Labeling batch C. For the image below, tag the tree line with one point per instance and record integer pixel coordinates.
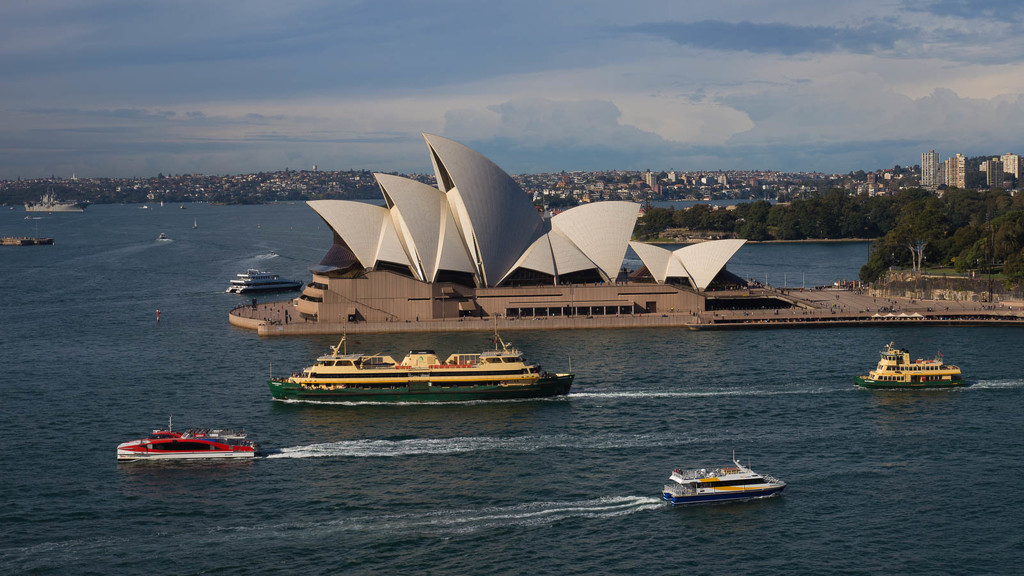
(963, 229)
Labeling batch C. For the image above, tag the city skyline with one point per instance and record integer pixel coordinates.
(125, 89)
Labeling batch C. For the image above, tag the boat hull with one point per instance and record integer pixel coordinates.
(723, 496)
(557, 385)
(127, 456)
(56, 208)
(863, 382)
(279, 287)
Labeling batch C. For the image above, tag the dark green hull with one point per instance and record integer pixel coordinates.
(880, 385)
(422, 392)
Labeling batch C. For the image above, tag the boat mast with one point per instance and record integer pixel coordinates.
(496, 333)
(343, 346)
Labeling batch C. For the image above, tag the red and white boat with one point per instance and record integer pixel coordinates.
(193, 444)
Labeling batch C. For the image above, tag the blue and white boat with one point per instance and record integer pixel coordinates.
(720, 484)
(254, 280)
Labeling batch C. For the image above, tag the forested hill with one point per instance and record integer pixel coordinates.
(963, 228)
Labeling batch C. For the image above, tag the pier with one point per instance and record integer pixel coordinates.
(741, 310)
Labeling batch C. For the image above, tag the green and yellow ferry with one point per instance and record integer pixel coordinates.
(420, 377)
(896, 371)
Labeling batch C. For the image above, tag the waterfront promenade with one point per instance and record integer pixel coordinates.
(808, 308)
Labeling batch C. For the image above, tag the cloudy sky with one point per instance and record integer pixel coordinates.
(137, 87)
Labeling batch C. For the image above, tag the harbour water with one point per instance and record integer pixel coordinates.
(893, 482)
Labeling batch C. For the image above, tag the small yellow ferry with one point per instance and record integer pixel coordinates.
(895, 371)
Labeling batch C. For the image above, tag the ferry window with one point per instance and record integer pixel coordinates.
(182, 446)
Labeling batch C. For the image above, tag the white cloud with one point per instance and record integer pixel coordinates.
(119, 88)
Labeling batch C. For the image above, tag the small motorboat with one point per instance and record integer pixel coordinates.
(163, 237)
(720, 484)
(193, 444)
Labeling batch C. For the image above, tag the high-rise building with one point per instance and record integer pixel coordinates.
(993, 170)
(1012, 164)
(930, 169)
(956, 171)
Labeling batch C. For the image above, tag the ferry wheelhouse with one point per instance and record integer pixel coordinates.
(421, 376)
(895, 370)
(733, 483)
(193, 444)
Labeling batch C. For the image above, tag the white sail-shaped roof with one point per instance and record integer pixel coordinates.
(601, 231)
(452, 254)
(553, 254)
(655, 258)
(390, 248)
(424, 224)
(537, 257)
(359, 224)
(705, 260)
(568, 258)
(496, 218)
(676, 268)
(479, 221)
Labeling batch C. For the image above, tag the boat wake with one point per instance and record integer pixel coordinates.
(467, 521)
(266, 256)
(459, 445)
(996, 384)
(643, 394)
(438, 523)
(520, 515)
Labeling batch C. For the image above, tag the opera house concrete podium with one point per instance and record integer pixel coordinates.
(476, 246)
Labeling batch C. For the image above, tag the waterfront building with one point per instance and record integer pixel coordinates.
(930, 169)
(475, 246)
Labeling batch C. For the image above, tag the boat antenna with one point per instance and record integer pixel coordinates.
(271, 369)
(570, 363)
(170, 419)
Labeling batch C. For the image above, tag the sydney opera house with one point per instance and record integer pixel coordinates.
(477, 246)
